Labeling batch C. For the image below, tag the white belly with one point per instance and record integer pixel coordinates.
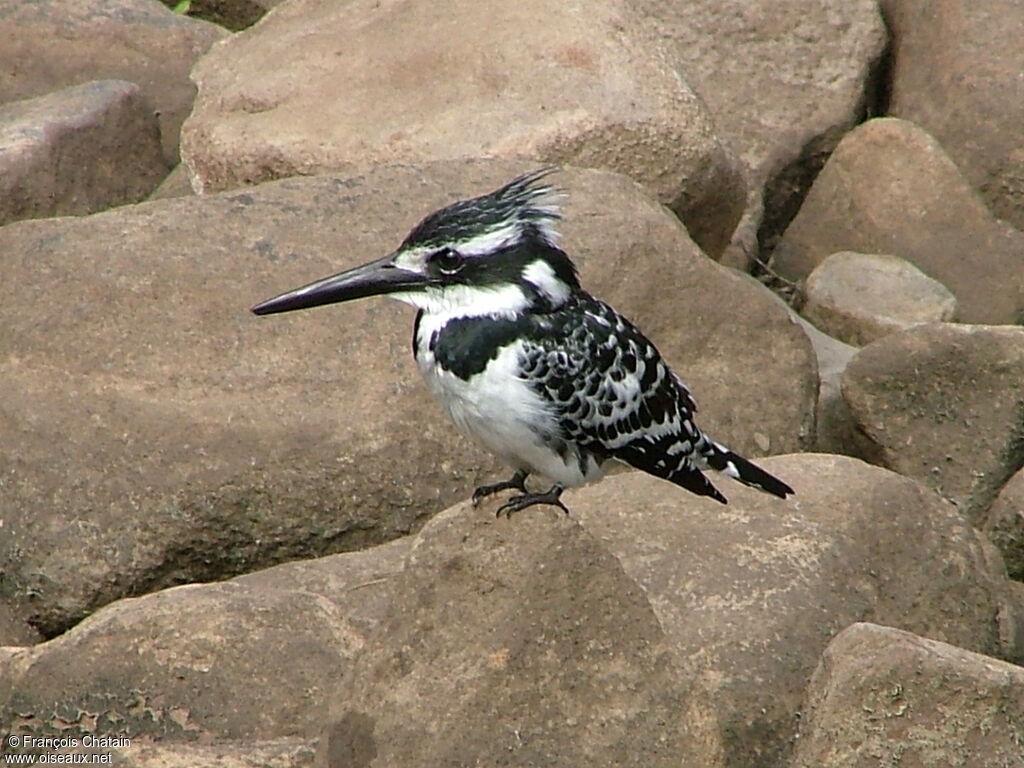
(499, 410)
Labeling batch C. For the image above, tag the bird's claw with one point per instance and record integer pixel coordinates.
(519, 503)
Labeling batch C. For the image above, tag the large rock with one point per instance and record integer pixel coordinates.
(957, 73)
(514, 643)
(143, 399)
(79, 150)
(885, 697)
(45, 46)
(945, 404)
(783, 80)
(749, 595)
(1004, 524)
(860, 297)
(197, 662)
(890, 188)
(322, 86)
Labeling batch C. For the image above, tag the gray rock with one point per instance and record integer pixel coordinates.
(749, 595)
(147, 401)
(943, 403)
(1004, 524)
(176, 184)
(78, 150)
(48, 45)
(957, 73)
(348, 87)
(890, 188)
(198, 662)
(860, 297)
(885, 697)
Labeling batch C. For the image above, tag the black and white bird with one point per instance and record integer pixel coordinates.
(526, 362)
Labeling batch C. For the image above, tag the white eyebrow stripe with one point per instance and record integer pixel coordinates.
(488, 242)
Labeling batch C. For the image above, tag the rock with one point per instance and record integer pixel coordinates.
(1004, 524)
(278, 753)
(783, 81)
(833, 425)
(79, 150)
(197, 662)
(353, 86)
(13, 629)
(146, 400)
(885, 697)
(46, 46)
(176, 184)
(890, 188)
(970, 57)
(359, 583)
(515, 643)
(944, 404)
(750, 594)
(860, 297)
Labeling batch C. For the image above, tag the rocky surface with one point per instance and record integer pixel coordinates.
(943, 403)
(749, 595)
(860, 297)
(106, 123)
(157, 433)
(590, 86)
(891, 188)
(885, 697)
(1004, 524)
(783, 80)
(215, 442)
(206, 661)
(956, 73)
(140, 41)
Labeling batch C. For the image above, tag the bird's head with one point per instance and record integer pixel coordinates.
(494, 254)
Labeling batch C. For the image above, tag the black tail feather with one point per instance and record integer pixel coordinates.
(721, 458)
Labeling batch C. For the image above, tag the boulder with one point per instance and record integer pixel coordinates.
(783, 80)
(956, 73)
(320, 86)
(163, 434)
(46, 46)
(1004, 524)
(78, 150)
(749, 595)
(943, 403)
(860, 297)
(890, 188)
(197, 662)
(881, 696)
(512, 643)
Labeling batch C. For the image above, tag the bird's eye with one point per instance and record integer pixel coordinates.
(448, 260)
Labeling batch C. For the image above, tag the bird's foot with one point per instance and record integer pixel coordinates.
(517, 482)
(519, 503)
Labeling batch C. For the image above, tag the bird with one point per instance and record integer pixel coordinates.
(525, 361)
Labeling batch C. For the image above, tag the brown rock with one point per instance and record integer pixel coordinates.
(359, 583)
(190, 663)
(943, 403)
(146, 400)
(14, 630)
(1004, 524)
(280, 753)
(352, 86)
(957, 73)
(783, 80)
(176, 184)
(885, 697)
(750, 594)
(860, 297)
(511, 643)
(45, 46)
(890, 188)
(834, 428)
(78, 150)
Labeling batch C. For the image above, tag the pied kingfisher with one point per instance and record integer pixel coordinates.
(525, 361)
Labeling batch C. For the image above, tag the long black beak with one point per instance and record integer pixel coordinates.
(373, 279)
